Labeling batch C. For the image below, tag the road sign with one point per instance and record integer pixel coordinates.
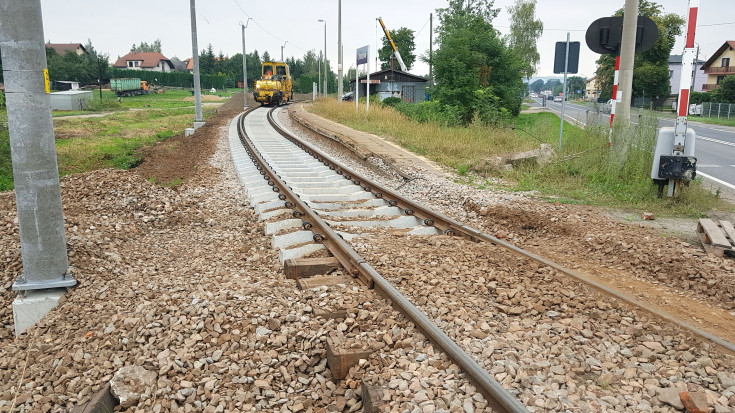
(362, 55)
(605, 35)
(561, 52)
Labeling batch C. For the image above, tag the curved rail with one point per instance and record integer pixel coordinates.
(452, 227)
(498, 397)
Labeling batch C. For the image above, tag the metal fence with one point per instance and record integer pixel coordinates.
(717, 110)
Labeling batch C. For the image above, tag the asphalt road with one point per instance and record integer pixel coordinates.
(715, 148)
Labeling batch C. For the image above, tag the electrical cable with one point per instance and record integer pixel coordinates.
(266, 30)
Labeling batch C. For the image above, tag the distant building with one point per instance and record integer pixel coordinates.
(151, 61)
(63, 48)
(721, 64)
(62, 85)
(591, 89)
(675, 74)
(394, 83)
(179, 65)
(70, 100)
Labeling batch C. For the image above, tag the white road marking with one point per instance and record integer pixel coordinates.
(709, 166)
(704, 138)
(719, 181)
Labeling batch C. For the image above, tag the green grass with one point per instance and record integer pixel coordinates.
(113, 141)
(586, 171)
(6, 165)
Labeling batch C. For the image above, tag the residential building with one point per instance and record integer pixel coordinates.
(151, 61)
(62, 48)
(698, 79)
(591, 89)
(721, 64)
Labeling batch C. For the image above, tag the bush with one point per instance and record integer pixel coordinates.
(392, 101)
(431, 111)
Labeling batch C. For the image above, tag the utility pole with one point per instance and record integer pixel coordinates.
(627, 57)
(340, 87)
(284, 45)
(326, 67)
(35, 168)
(244, 66)
(694, 74)
(198, 119)
(431, 49)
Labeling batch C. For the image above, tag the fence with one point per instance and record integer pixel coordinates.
(718, 110)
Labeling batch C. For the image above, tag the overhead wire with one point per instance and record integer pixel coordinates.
(266, 30)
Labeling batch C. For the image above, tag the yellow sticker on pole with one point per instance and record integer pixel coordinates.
(46, 81)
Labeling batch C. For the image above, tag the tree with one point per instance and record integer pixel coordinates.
(206, 61)
(525, 31)
(145, 47)
(650, 70)
(403, 38)
(726, 91)
(476, 73)
(574, 84)
(266, 57)
(552, 84)
(536, 86)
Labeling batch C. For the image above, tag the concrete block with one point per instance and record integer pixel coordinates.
(31, 308)
(188, 131)
(198, 125)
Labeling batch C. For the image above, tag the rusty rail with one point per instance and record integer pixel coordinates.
(451, 227)
(498, 397)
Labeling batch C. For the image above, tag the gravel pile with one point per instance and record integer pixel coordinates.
(577, 237)
(183, 284)
(558, 344)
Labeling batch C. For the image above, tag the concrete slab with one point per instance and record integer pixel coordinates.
(188, 131)
(298, 252)
(292, 238)
(274, 227)
(30, 308)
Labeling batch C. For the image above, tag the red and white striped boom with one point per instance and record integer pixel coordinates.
(687, 62)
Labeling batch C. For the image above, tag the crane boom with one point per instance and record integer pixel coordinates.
(393, 45)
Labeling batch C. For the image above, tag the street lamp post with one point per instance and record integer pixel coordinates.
(340, 63)
(284, 45)
(244, 65)
(326, 68)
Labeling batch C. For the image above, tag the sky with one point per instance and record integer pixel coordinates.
(113, 29)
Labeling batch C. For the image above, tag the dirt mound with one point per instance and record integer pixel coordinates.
(206, 98)
(181, 158)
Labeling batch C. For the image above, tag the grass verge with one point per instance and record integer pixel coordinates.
(586, 171)
(113, 141)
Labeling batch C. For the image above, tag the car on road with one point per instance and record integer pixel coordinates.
(607, 106)
(558, 98)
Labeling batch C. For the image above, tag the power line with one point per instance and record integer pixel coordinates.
(715, 24)
(264, 29)
(422, 28)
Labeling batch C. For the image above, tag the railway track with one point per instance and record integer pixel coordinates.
(292, 180)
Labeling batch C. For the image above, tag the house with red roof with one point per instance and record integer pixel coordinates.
(152, 61)
(721, 64)
(62, 48)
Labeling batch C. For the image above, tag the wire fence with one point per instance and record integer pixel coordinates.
(715, 110)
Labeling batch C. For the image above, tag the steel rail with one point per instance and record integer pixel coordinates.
(498, 397)
(453, 227)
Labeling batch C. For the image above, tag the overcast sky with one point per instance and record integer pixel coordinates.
(114, 26)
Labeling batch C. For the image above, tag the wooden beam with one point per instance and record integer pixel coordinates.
(340, 360)
(296, 268)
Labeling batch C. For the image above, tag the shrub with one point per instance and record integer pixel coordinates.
(431, 111)
(392, 101)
